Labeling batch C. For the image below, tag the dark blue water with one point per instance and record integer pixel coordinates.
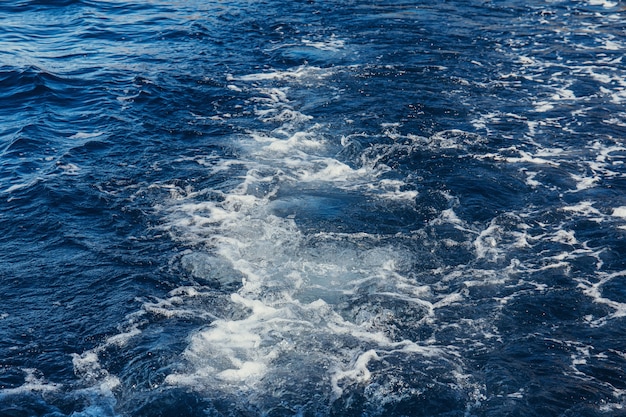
(340, 208)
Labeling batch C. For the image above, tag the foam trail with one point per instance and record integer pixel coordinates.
(295, 285)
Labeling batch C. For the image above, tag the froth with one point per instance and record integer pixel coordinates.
(604, 3)
(305, 296)
(595, 291)
(33, 382)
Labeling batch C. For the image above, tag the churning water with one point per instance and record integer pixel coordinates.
(312, 208)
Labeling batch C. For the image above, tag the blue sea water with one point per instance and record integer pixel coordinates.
(312, 208)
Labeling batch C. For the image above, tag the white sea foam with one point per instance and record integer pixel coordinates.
(290, 287)
(620, 212)
(358, 372)
(604, 3)
(33, 382)
(585, 208)
(585, 182)
(595, 291)
(69, 169)
(304, 71)
(23, 185)
(524, 157)
(486, 243)
(292, 284)
(88, 367)
(564, 236)
(86, 135)
(296, 293)
(332, 44)
(543, 106)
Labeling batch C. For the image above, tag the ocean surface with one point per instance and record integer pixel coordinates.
(312, 208)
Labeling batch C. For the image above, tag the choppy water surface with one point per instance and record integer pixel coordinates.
(339, 208)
